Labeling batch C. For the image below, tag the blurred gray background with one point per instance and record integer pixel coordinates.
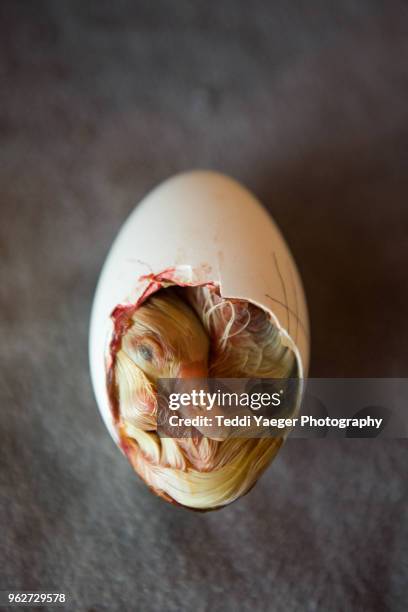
(307, 104)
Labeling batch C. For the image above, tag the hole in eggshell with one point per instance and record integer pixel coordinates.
(242, 342)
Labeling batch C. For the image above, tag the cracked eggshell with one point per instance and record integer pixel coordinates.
(196, 228)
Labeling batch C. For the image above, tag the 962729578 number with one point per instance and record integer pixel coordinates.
(33, 598)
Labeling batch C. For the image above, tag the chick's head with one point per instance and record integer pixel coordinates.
(166, 339)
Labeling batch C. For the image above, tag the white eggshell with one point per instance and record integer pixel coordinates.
(203, 227)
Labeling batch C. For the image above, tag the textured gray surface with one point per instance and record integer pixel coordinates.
(304, 102)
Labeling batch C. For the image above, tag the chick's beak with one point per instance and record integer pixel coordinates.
(193, 376)
(195, 369)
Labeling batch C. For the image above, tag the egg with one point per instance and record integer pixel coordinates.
(195, 229)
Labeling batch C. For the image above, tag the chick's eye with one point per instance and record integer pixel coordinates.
(146, 352)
